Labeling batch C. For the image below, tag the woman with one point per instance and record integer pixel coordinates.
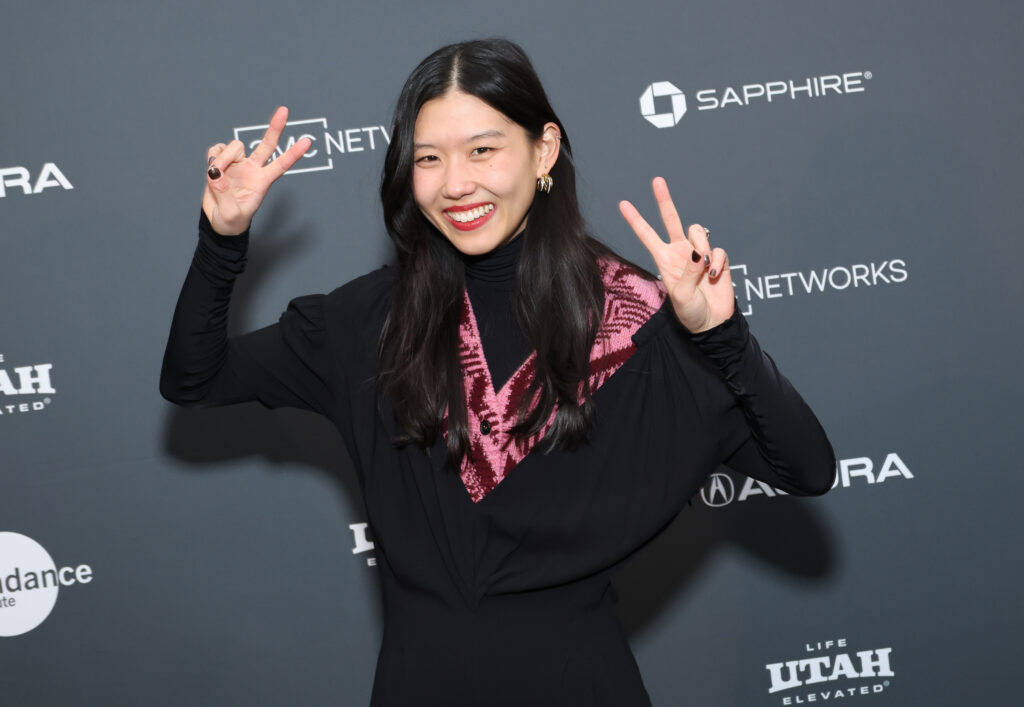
(524, 409)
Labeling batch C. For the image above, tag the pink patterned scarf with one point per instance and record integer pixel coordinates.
(630, 300)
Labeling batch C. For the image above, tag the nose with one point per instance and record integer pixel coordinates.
(458, 181)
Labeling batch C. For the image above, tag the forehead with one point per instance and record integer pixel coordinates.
(457, 117)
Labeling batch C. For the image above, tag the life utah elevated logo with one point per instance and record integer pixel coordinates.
(831, 670)
(25, 387)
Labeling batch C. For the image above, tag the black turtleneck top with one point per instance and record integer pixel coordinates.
(504, 599)
(491, 285)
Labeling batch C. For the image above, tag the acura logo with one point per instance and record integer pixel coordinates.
(718, 490)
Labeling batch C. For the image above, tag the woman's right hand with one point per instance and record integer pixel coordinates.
(236, 184)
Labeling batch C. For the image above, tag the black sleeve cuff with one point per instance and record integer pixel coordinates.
(219, 258)
(239, 242)
(727, 343)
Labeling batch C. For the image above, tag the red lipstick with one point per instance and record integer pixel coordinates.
(475, 223)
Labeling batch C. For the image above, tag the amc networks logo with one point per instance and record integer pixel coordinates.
(753, 288)
(327, 144)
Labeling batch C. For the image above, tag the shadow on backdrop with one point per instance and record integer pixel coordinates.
(787, 534)
(202, 437)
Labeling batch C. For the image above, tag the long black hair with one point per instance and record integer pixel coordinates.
(559, 292)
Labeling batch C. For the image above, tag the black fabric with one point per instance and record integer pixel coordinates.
(491, 284)
(507, 601)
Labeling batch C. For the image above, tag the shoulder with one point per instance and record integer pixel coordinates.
(356, 308)
(361, 305)
(625, 281)
(364, 290)
(632, 298)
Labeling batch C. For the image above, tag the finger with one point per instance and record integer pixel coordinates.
(669, 215)
(213, 151)
(647, 235)
(699, 240)
(719, 263)
(283, 163)
(234, 151)
(268, 144)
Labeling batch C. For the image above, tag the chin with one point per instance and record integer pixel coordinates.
(469, 246)
(473, 242)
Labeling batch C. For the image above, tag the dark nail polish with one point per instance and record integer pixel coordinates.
(714, 273)
(695, 256)
(210, 159)
(213, 172)
(707, 260)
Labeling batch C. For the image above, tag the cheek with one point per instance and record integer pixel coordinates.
(511, 177)
(423, 190)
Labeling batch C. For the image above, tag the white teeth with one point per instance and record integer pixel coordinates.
(472, 214)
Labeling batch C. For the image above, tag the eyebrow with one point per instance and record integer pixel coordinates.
(474, 138)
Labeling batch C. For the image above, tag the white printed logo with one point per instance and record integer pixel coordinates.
(720, 489)
(29, 581)
(748, 94)
(25, 388)
(49, 177)
(656, 90)
(828, 669)
(759, 288)
(360, 533)
(320, 155)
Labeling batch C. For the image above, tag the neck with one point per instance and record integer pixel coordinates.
(497, 267)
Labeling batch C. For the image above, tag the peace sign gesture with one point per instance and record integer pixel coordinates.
(696, 277)
(236, 184)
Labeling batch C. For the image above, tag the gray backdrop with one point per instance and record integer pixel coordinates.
(875, 242)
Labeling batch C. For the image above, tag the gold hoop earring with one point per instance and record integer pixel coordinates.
(544, 183)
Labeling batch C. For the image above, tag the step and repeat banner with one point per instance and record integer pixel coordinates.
(860, 161)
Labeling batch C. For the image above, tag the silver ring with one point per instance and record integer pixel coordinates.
(707, 233)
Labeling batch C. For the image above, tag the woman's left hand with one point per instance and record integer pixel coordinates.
(696, 277)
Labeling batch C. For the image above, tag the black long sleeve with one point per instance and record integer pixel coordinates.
(779, 440)
(285, 364)
(787, 446)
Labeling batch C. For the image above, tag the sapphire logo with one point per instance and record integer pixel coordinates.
(746, 95)
(667, 119)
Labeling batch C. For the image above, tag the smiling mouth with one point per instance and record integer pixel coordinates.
(466, 218)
